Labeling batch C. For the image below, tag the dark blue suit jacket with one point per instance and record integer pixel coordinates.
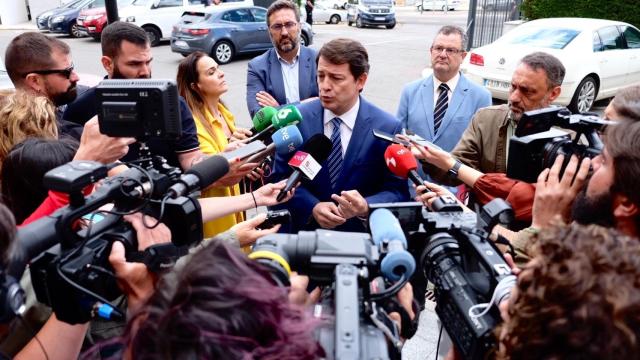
(265, 74)
(364, 168)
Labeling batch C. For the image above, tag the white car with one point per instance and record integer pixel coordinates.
(438, 5)
(600, 57)
(323, 13)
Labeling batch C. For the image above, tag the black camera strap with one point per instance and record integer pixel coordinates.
(159, 258)
(408, 327)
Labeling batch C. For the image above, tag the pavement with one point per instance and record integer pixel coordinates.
(26, 26)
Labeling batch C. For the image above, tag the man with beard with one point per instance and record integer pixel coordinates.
(484, 145)
(285, 74)
(42, 65)
(126, 54)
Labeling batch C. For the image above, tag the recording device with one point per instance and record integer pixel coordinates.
(283, 142)
(402, 163)
(244, 152)
(307, 161)
(287, 115)
(536, 145)
(275, 217)
(457, 255)
(414, 139)
(140, 108)
(357, 325)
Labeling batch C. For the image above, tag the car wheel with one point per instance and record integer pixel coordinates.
(359, 22)
(74, 30)
(222, 52)
(349, 22)
(443, 8)
(419, 7)
(390, 26)
(153, 34)
(585, 95)
(334, 19)
(304, 40)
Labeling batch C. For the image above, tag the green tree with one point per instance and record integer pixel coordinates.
(620, 10)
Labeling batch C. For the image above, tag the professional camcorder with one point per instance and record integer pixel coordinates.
(467, 269)
(537, 141)
(356, 307)
(68, 251)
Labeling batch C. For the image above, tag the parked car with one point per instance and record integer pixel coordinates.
(371, 12)
(331, 4)
(157, 17)
(225, 32)
(65, 22)
(443, 5)
(5, 82)
(92, 20)
(42, 20)
(329, 15)
(491, 5)
(600, 57)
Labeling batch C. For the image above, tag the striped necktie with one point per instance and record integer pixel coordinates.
(335, 158)
(441, 107)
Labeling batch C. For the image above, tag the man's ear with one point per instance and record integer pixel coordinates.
(360, 81)
(555, 92)
(108, 65)
(623, 207)
(34, 82)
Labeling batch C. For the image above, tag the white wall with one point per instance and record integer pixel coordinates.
(13, 12)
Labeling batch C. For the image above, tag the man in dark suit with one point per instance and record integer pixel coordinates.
(355, 174)
(286, 74)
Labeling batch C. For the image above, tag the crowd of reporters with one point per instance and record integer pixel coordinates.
(574, 242)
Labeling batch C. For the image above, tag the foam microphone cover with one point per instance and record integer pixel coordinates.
(287, 115)
(287, 140)
(385, 226)
(209, 170)
(386, 231)
(262, 118)
(400, 160)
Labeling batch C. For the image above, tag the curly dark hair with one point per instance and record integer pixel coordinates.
(578, 298)
(221, 305)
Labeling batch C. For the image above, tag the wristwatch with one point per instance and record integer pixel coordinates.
(453, 172)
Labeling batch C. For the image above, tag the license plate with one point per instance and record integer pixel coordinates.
(92, 28)
(497, 84)
(379, 18)
(181, 43)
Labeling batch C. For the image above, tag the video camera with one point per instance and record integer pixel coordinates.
(358, 325)
(467, 269)
(536, 145)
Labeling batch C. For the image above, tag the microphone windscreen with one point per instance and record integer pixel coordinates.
(209, 170)
(385, 226)
(400, 160)
(262, 118)
(318, 146)
(287, 140)
(287, 115)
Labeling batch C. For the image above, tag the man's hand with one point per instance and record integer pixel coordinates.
(555, 195)
(97, 147)
(327, 215)
(266, 195)
(240, 134)
(298, 292)
(247, 233)
(265, 99)
(134, 279)
(351, 204)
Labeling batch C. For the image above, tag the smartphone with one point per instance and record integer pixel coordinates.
(275, 217)
(418, 140)
(388, 137)
(245, 151)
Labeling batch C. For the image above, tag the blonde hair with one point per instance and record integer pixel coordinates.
(24, 115)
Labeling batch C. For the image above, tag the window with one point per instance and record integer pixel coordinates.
(259, 15)
(169, 3)
(611, 38)
(597, 44)
(191, 17)
(632, 36)
(552, 38)
(238, 15)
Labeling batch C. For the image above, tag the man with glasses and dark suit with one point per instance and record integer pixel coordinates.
(285, 74)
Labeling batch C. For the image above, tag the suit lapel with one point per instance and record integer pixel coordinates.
(359, 140)
(426, 99)
(454, 105)
(275, 70)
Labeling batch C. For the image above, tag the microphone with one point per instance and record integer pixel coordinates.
(307, 160)
(284, 142)
(200, 176)
(262, 118)
(388, 235)
(288, 115)
(402, 163)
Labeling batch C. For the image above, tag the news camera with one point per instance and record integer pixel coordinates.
(457, 256)
(357, 325)
(538, 141)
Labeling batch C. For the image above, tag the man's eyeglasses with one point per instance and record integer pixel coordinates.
(278, 27)
(64, 72)
(440, 49)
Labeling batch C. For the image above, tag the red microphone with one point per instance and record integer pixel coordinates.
(401, 162)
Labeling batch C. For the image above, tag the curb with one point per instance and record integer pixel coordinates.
(21, 26)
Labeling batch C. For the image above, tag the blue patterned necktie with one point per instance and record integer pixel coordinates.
(335, 158)
(441, 107)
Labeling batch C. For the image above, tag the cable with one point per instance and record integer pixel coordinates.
(438, 343)
(158, 220)
(390, 291)
(35, 336)
(500, 293)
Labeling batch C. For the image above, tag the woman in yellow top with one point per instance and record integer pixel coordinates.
(201, 82)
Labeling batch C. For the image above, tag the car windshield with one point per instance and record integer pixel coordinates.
(193, 17)
(552, 38)
(72, 4)
(78, 4)
(141, 2)
(377, 2)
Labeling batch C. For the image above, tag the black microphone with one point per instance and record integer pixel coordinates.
(200, 175)
(316, 149)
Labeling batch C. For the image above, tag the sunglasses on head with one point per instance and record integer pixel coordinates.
(64, 72)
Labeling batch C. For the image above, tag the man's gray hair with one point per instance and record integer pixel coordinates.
(550, 64)
(451, 29)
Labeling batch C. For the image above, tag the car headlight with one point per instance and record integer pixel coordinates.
(131, 19)
(57, 19)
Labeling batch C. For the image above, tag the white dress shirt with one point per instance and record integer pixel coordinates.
(346, 127)
(290, 78)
